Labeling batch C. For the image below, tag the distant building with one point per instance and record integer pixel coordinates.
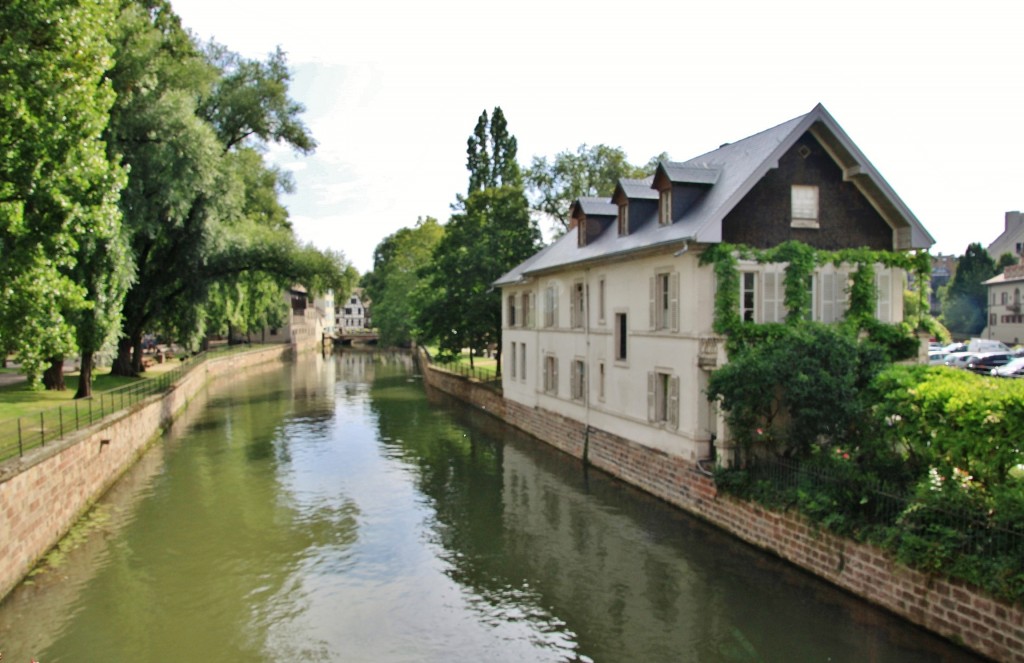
(1011, 240)
(1005, 317)
(325, 307)
(354, 314)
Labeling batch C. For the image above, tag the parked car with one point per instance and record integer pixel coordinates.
(958, 359)
(936, 357)
(1013, 369)
(984, 363)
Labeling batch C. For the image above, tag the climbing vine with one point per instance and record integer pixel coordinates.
(801, 260)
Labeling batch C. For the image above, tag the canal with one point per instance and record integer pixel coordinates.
(328, 511)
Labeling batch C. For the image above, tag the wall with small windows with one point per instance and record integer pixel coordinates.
(806, 183)
(598, 337)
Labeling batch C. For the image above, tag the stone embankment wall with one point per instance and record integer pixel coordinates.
(951, 609)
(44, 493)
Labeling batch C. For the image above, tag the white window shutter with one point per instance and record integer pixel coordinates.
(652, 396)
(771, 297)
(674, 300)
(652, 290)
(883, 281)
(673, 402)
(828, 300)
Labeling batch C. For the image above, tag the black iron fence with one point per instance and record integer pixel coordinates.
(20, 435)
(489, 377)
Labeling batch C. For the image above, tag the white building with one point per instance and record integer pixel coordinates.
(612, 324)
(354, 314)
(324, 305)
(1005, 316)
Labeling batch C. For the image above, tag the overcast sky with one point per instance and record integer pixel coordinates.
(931, 91)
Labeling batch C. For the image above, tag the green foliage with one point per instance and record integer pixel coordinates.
(58, 189)
(727, 297)
(592, 170)
(490, 234)
(795, 387)
(953, 420)
(933, 475)
(1006, 260)
(393, 283)
(208, 234)
(964, 301)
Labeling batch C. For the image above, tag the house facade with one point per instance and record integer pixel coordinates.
(1011, 240)
(354, 314)
(612, 325)
(1005, 312)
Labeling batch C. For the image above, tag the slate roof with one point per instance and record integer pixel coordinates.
(594, 206)
(635, 189)
(739, 166)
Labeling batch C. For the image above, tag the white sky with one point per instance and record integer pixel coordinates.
(932, 92)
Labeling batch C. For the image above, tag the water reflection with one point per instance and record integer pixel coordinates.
(329, 511)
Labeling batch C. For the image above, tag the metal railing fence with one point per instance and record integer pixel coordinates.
(22, 434)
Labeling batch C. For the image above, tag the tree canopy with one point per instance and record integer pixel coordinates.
(592, 170)
(490, 232)
(394, 285)
(964, 302)
(201, 205)
(60, 258)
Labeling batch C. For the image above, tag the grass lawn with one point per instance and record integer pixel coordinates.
(17, 400)
(486, 365)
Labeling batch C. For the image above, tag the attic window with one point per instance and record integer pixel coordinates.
(805, 206)
(581, 233)
(623, 219)
(665, 207)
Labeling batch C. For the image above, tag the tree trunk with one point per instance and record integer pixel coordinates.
(136, 342)
(123, 363)
(85, 377)
(497, 358)
(53, 377)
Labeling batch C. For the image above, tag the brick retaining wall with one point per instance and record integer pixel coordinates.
(952, 609)
(44, 493)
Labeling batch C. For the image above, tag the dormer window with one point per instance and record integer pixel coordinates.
(665, 207)
(805, 206)
(623, 219)
(581, 232)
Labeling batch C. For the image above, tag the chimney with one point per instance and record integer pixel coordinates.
(1013, 221)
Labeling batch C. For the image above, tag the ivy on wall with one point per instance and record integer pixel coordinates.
(801, 261)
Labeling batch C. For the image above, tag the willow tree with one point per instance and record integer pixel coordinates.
(190, 122)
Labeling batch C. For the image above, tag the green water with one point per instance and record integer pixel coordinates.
(328, 511)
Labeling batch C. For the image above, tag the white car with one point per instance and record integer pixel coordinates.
(937, 357)
(1013, 369)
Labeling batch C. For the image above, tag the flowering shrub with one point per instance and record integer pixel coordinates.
(934, 473)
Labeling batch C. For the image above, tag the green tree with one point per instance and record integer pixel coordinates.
(1005, 261)
(592, 170)
(58, 188)
(201, 205)
(964, 299)
(392, 285)
(490, 233)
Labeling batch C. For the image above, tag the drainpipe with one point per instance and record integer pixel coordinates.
(586, 367)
